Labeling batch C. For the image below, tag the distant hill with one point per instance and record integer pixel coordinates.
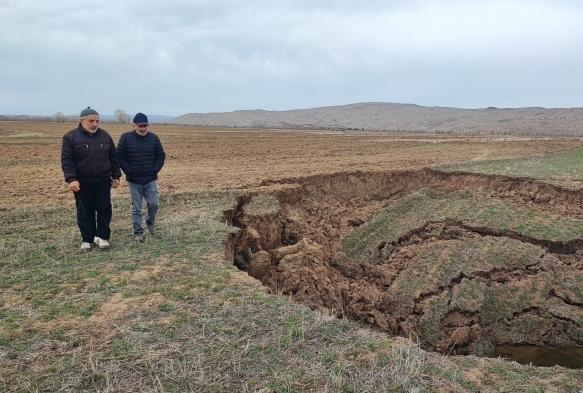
(404, 118)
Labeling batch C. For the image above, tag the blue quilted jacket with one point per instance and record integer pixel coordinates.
(140, 157)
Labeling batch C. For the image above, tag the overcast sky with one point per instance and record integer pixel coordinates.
(174, 57)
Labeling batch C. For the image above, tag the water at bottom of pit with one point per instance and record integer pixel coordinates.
(570, 357)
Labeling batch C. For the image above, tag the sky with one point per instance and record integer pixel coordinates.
(173, 57)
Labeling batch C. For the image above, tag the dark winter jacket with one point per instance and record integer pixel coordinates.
(141, 157)
(87, 157)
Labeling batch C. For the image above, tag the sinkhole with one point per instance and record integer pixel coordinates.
(463, 263)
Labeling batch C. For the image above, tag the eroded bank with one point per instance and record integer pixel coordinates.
(436, 282)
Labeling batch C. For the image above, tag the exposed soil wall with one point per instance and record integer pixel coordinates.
(292, 245)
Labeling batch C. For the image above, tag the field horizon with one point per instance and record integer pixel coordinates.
(208, 305)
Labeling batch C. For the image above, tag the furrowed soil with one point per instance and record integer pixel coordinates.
(304, 193)
(213, 158)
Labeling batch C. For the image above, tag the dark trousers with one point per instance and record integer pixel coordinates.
(92, 199)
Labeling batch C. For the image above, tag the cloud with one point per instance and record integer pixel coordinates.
(175, 57)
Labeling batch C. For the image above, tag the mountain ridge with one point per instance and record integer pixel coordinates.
(379, 116)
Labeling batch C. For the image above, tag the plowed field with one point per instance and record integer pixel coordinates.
(215, 158)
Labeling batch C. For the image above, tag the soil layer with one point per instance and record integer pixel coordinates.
(290, 239)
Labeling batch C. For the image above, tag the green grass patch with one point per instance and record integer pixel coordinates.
(476, 210)
(562, 168)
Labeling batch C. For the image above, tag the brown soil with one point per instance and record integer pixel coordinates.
(295, 248)
(213, 158)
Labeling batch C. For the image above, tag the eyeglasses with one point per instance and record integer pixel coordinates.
(142, 125)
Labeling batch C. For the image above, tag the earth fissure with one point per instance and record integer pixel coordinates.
(456, 285)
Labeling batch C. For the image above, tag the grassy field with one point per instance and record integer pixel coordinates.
(172, 315)
(562, 168)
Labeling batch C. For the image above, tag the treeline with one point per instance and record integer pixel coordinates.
(39, 119)
(50, 119)
(120, 117)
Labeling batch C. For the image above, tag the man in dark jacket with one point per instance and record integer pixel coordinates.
(141, 157)
(91, 167)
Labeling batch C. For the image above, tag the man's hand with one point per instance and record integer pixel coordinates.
(74, 186)
(115, 183)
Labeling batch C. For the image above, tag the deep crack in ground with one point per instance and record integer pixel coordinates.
(457, 287)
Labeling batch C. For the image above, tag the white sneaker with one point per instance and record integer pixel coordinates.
(102, 244)
(85, 246)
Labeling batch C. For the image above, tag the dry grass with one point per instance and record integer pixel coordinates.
(171, 315)
(262, 205)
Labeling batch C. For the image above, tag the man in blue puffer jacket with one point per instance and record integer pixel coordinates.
(141, 157)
